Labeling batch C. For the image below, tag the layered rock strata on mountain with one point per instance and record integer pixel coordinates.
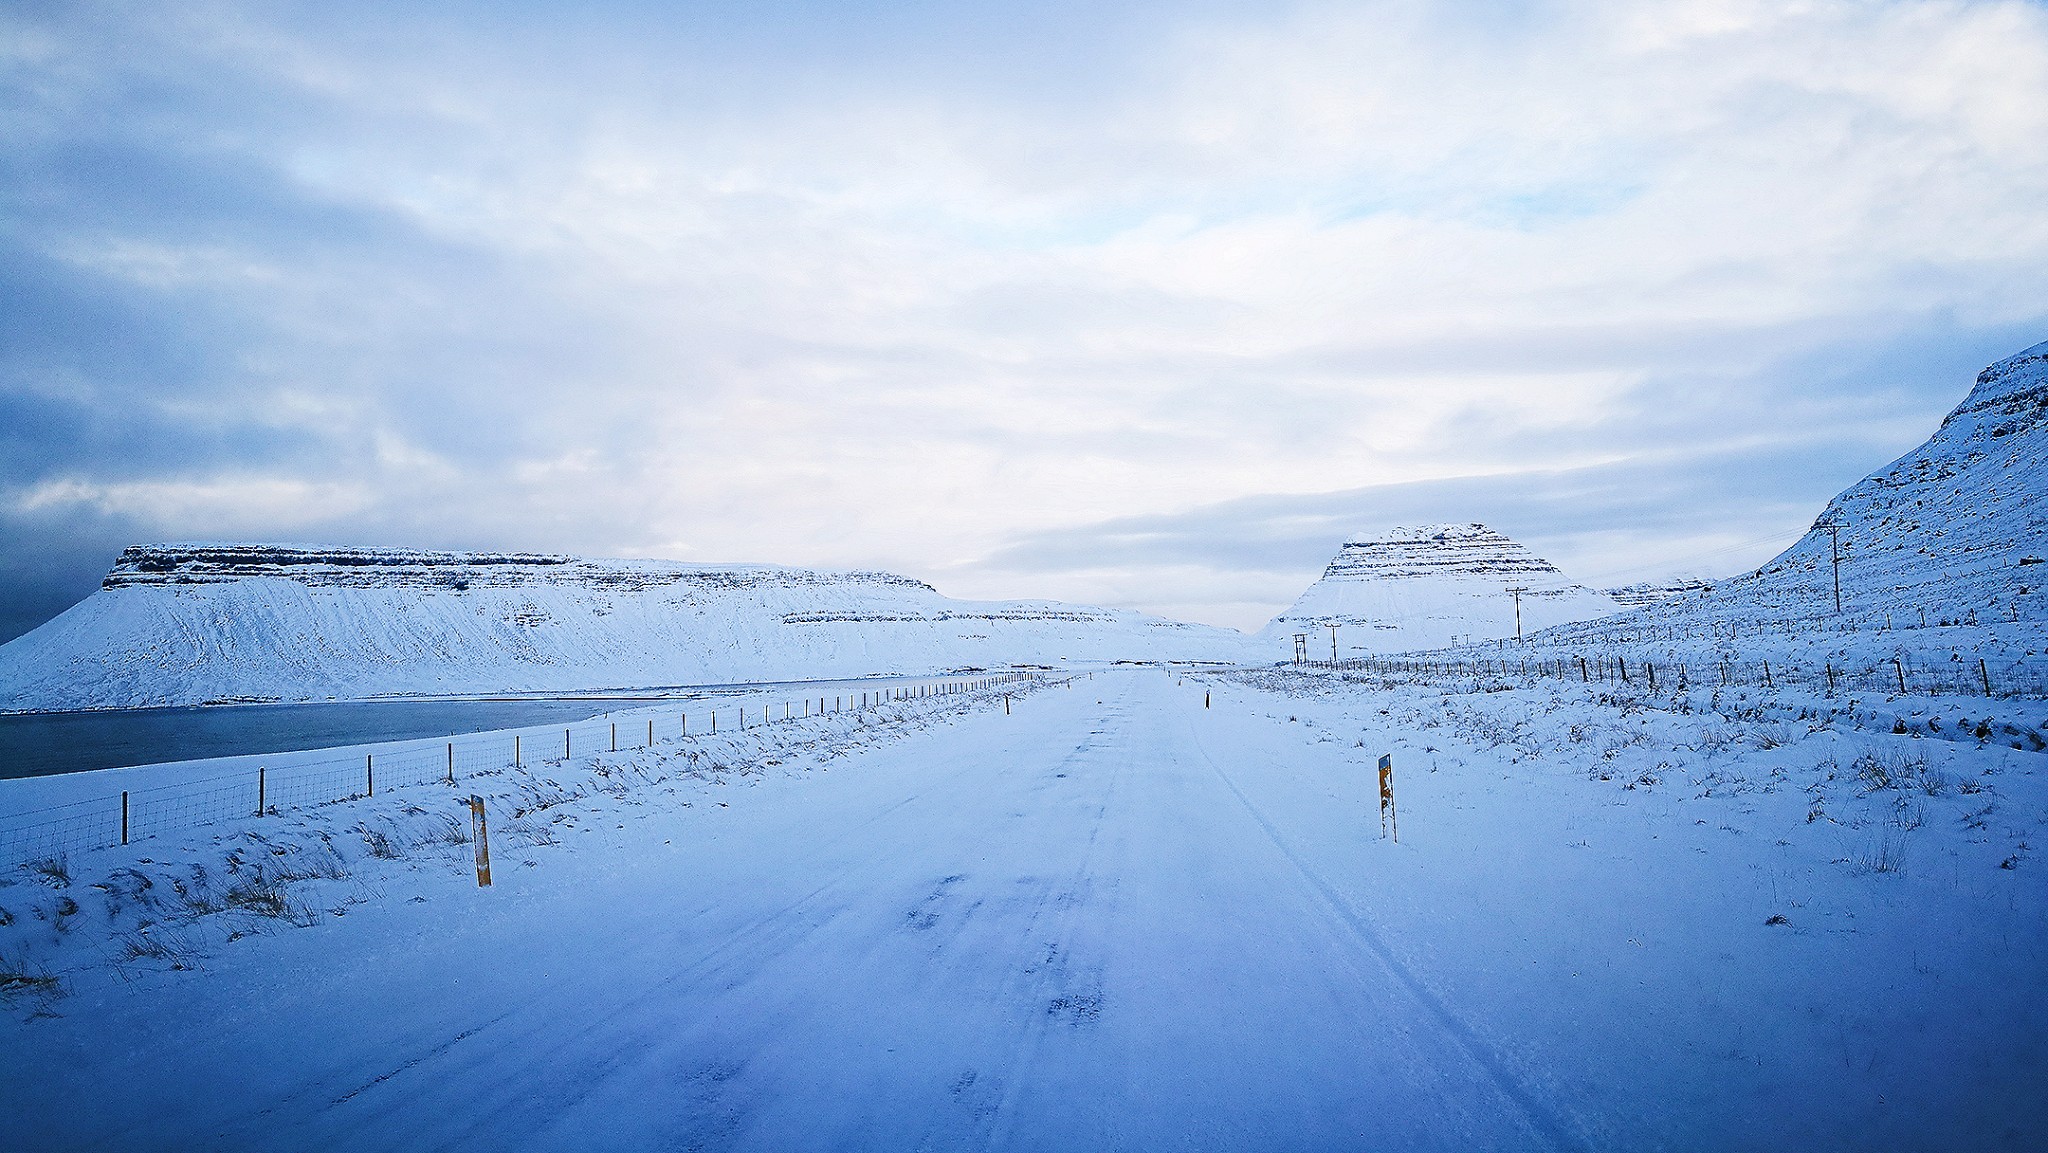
(186, 623)
(1646, 593)
(1429, 586)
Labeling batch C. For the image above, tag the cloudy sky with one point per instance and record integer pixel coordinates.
(1140, 304)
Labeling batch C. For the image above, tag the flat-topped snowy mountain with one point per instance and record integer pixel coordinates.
(1428, 586)
(184, 624)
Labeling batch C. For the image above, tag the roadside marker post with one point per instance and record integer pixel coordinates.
(479, 830)
(1390, 820)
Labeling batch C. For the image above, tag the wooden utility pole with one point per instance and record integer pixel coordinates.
(1835, 533)
(1333, 644)
(1518, 590)
(1300, 648)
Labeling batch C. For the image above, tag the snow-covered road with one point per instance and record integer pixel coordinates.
(1113, 920)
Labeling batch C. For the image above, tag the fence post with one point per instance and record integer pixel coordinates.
(615, 736)
(1831, 678)
(1901, 670)
(1651, 671)
(650, 733)
(515, 751)
(124, 816)
(370, 774)
(1984, 672)
(565, 744)
(1767, 676)
(451, 762)
(259, 790)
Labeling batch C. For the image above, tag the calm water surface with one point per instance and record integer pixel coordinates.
(38, 744)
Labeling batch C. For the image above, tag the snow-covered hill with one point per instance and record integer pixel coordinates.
(182, 624)
(1424, 587)
(1956, 527)
(1951, 538)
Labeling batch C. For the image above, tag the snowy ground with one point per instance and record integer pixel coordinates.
(1111, 919)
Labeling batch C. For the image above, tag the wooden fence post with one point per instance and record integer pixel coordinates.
(1984, 672)
(124, 816)
(369, 774)
(451, 762)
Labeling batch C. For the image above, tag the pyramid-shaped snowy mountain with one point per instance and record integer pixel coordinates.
(1957, 528)
(1433, 585)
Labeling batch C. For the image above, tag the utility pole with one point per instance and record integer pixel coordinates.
(1300, 648)
(1835, 533)
(1518, 590)
(1333, 644)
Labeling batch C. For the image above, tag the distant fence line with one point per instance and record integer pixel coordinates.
(1901, 676)
(298, 782)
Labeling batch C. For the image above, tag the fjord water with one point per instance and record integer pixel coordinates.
(40, 744)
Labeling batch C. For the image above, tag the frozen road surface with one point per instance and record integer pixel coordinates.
(1115, 919)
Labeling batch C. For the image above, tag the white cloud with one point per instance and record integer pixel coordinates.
(227, 503)
(856, 310)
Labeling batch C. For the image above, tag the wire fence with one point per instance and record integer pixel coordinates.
(303, 780)
(1905, 675)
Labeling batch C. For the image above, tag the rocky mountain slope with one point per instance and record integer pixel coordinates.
(1642, 594)
(1952, 534)
(1429, 586)
(184, 624)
